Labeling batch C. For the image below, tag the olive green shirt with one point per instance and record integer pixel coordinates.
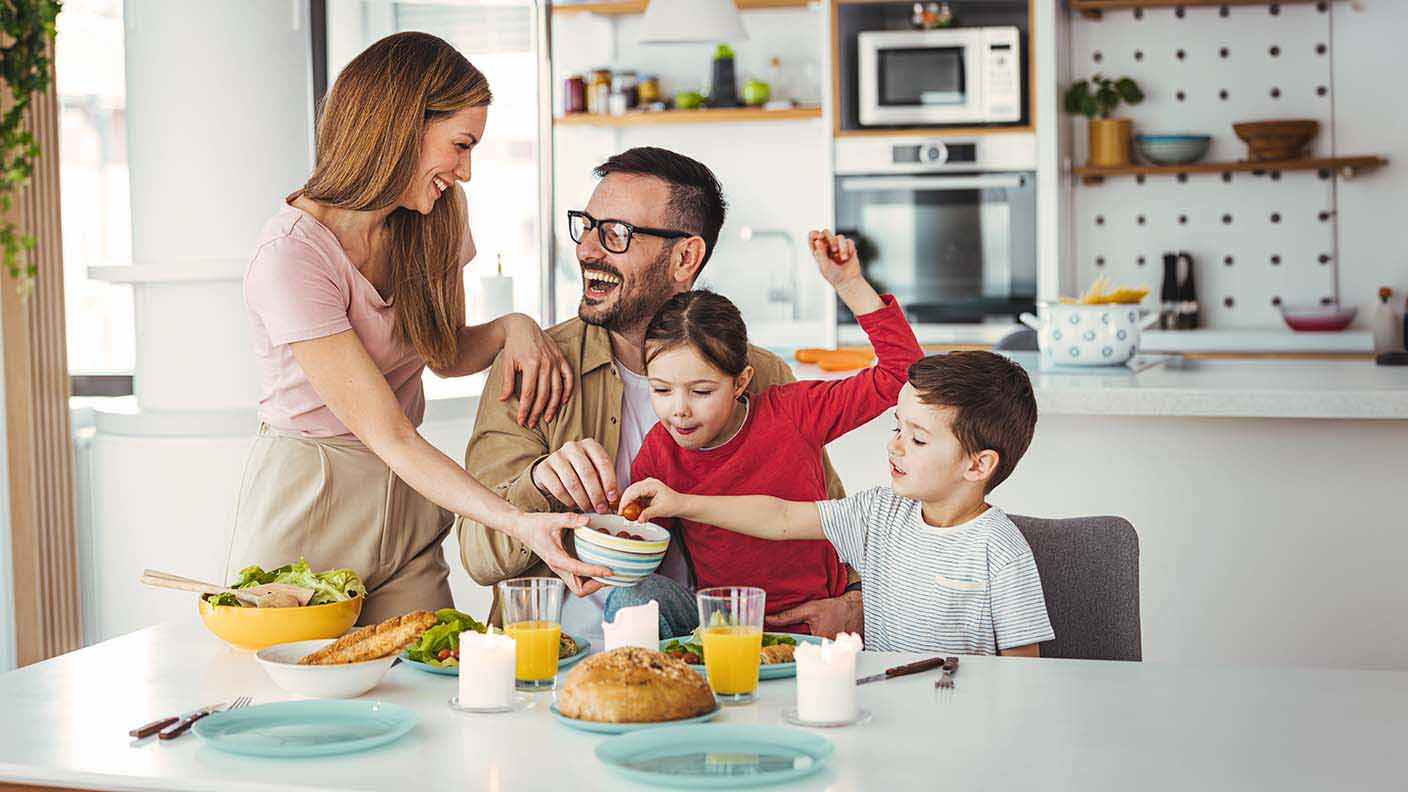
(502, 454)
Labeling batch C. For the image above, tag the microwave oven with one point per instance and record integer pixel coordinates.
(953, 76)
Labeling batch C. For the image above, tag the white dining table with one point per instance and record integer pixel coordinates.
(1009, 724)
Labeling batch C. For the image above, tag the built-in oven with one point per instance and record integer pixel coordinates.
(948, 226)
(952, 76)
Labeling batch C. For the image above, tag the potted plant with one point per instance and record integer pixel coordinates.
(1096, 99)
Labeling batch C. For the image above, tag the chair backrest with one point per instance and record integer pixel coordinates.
(1023, 339)
(1089, 569)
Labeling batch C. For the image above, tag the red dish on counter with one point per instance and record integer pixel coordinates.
(1318, 318)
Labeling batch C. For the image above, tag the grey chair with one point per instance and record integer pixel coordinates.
(1023, 339)
(1089, 570)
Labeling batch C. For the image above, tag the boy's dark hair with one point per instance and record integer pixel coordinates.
(703, 320)
(697, 202)
(994, 407)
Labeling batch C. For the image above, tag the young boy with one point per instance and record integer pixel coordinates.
(943, 570)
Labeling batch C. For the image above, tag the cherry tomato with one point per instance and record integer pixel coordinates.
(623, 534)
(632, 511)
(443, 653)
(638, 538)
(455, 653)
(603, 530)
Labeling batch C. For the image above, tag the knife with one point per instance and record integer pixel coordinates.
(903, 670)
(143, 732)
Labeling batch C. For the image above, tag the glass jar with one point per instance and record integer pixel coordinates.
(625, 83)
(598, 91)
(574, 95)
(648, 89)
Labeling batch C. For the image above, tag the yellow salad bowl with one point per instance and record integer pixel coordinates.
(251, 629)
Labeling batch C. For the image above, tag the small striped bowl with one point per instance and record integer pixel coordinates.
(631, 560)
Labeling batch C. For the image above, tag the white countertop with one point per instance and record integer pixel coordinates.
(1345, 389)
(1225, 340)
(1010, 724)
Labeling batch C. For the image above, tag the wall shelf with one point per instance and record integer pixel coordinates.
(1347, 166)
(1091, 9)
(625, 7)
(720, 115)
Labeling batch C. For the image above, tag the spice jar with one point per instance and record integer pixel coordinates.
(648, 89)
(625, 83)
(574, 95)
(598, 91)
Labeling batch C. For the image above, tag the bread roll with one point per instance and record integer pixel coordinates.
(633, 685)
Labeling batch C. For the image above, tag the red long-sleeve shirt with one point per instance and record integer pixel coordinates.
(777, 452)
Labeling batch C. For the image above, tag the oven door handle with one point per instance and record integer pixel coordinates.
(983, 182)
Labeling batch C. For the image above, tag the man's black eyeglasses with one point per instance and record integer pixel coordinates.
(615, 235)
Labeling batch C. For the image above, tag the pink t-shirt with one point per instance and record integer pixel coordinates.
(300, 285)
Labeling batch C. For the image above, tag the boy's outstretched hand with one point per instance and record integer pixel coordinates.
(650, 498)
(837, 260)
(835, 256)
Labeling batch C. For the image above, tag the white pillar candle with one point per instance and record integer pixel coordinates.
(638, 625)
(826, 679)
(494, 296)
(486, 669)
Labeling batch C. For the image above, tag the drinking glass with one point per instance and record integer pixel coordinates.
(732, 622)
(532, 611)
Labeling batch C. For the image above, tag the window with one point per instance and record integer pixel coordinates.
(500, 39)
(95, 205)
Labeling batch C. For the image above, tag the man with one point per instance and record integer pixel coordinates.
(648, 230)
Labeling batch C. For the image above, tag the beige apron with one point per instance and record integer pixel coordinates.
(335, 503)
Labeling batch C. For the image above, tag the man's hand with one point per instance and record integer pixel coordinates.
(824, 617)
(580, 475)
(542, 533)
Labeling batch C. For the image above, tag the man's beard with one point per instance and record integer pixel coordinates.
(637, 306)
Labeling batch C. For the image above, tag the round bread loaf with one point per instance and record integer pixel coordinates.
(633, 685)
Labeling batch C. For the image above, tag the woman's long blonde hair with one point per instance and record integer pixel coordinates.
(369, 140)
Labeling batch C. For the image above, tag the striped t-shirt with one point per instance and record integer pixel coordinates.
(966, 589)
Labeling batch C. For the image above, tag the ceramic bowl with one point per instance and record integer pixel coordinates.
(251, 629)
(348, 680)
(1318, 318)
(630, 559)
(1069, 334)
(1172, 149)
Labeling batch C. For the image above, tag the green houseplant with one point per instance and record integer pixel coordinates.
(1096, 99)
(26, 32)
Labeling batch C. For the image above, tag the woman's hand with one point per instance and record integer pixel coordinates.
(653, 499)
(533, 363)
(542, 533)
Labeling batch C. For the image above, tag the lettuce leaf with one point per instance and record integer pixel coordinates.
(444, 635)
(333, 585)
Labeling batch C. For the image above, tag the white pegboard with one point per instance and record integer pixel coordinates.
(1203, 69)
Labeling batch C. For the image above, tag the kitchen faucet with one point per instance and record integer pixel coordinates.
(778, 293)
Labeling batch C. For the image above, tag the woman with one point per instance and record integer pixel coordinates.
(355, 286)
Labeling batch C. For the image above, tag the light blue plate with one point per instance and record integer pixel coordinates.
(621, 728)
(584, 648)
(716, 755)
(769, 671)
(306, 728)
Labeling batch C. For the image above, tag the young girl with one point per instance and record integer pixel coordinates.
(714, 440)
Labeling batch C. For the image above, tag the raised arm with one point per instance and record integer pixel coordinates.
(762, 516)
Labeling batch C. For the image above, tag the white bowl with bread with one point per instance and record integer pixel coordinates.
(630, 688)
(345, 667)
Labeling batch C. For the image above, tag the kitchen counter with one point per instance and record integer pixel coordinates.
(1335, 389)
(1250, 341)
(1010, 724)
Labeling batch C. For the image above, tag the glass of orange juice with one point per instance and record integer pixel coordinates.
(532, 611)
(732, 622)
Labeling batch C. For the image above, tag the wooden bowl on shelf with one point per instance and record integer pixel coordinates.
(1270, 141)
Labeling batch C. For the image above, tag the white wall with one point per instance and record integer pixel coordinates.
(1369, 62)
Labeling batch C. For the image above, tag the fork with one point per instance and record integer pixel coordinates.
(183, 725)
(946, 680)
